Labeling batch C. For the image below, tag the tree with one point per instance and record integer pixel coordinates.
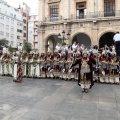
(27, 47)
(3, 43)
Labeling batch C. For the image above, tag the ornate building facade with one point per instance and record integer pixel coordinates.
(89, 22)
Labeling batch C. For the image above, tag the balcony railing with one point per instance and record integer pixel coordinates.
(96, 15)
(53, 19)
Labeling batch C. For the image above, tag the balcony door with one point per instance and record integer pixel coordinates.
(109, 8)
(80, 10)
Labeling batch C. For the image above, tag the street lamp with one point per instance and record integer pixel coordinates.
(63, 36)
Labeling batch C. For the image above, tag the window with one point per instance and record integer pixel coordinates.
(21, 24)
(1, 33)
(54, 11)
(24, 28)
(12, 36)
(7, 35)
(2, 17)
(11, 42)
(12, 21)
(12, 29)
(24, 14)
(24, 21)
(18, 37)
(109, 8)
(7, 27)
(14, 16)
(80, 10)
(24, 35)
(7, 19)
(19, 30)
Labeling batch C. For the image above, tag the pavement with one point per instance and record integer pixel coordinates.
(45, 99)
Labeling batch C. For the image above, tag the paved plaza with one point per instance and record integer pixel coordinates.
(45, 99)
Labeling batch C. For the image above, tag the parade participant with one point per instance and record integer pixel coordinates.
(96, 67)
(24, 61)
(35, 66)
(56, 64)
(62, 69)
(30, 64)
(70, 72)
(49, 65)
(114, 72)
(116, 39)
(76, 68)
(85, 72)
(17, 69)
(104, 67)
(43, 66)
(38, 66)
(3, 63)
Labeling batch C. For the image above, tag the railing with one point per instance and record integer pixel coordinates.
(96, 15)
(53, 19)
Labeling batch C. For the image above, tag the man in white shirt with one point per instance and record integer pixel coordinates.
(74, 46)
(116, 39)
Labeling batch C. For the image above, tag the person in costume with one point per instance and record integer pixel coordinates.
(70, 72)
(43, 65)
(104, 67)
(85, 71)
(114, 71)
(56, 64)
(18, 69)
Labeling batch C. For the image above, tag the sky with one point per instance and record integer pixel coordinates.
(33, 4)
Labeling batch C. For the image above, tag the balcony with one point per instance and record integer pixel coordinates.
(53, 19)
(99, 14)
(53, 1)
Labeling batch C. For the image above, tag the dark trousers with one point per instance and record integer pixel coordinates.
(117, 48)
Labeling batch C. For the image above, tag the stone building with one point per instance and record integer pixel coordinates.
(91, 22)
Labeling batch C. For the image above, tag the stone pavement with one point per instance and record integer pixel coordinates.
(43, 99)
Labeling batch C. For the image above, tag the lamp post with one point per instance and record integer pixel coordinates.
(64, 36)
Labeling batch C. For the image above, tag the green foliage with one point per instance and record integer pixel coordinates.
(3, 43)
(10, 49)
(63, 43)
(27, 47)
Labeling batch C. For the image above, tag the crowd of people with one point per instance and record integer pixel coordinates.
(75, 63)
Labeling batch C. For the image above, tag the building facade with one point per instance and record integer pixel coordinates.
(25, 9)
(33, 30)
(11, 24)
(91, 22)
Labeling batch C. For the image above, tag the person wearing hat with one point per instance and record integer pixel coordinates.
(104, 67)
(30, 64)
(56, 64)
(24, 60)
(85, 72)
(76, 57)
(43, 65)
(96, 67)
(70, 72)
(17, 68)
(114, 72)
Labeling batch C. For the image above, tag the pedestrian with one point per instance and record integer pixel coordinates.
(116, 39)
